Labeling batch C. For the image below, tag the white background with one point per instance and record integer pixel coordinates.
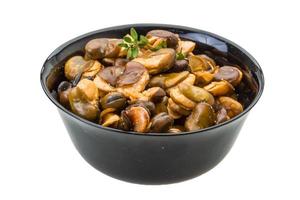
(37, 158)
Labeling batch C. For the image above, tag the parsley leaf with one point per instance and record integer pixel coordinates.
(180, 55)
(133, 34)
(132, 43)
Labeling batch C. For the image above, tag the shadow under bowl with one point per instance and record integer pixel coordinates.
(156, 158)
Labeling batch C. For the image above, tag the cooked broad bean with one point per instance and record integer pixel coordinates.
(151, 84)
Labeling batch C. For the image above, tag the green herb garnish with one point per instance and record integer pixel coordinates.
(180, 55)
(132, 43)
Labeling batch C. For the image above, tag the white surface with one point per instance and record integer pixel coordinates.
(39, 161)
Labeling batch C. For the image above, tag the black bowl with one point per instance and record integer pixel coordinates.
(155, 158)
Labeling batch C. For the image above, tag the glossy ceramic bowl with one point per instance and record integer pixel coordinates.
(155, 158)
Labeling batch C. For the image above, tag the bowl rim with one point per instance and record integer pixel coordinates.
(260, 77)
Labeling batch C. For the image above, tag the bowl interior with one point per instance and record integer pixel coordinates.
(223, 51)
